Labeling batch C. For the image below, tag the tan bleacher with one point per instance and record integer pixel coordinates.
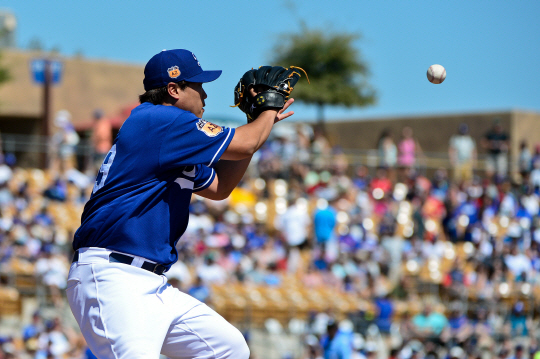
(10, 301)
(256, 303)
(23, 275)
(249, 303)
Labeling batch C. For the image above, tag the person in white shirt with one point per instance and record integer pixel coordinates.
(518, 263)
(294, 223)
(462, 154)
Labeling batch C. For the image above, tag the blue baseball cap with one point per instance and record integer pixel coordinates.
(175, 66)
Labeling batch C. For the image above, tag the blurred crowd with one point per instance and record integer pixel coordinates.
(449, 258)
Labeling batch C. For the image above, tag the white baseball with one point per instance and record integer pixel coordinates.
(436, 74)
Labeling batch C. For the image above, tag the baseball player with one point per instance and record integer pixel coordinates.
(139, 208)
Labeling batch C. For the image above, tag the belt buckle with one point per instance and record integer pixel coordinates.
(156, 267)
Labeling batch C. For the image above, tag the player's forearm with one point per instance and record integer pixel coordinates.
(229, 174)
(249, 138)
(267, 122)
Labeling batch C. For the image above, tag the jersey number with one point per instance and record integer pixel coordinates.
(104, 169)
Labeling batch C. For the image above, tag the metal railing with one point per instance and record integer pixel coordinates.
(31, 146)
(37, 150)
(12, 143)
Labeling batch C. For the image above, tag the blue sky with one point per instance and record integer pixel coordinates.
(490, 49)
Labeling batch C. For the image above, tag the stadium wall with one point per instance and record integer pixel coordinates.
(433, 132)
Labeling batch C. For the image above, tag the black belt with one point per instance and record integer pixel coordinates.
(125, 259)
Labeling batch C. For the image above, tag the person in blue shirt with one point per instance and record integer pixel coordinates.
(33, 329)
(324, 222)
(199, 290)
(385, 312)
(138, 210)
(336, 344)
(429, 324)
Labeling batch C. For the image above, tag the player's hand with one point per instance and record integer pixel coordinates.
(268, 87)
(281, 115)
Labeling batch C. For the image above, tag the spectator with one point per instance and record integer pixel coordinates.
(6, 173)
(483, 330)
(525, 160)
(533, 349)
(381, 185)
(210, 272)
(407, 328)
(384, 314)
(518, 320)
(256, 239)
(462, 154)
(534, 179)
(518, 264)
(495, 141)
(459, 328)
(457, 353)
(32, 330)
(408, 149)
(101, 138)
(180, 273)
(518, 352)
(199, 290)
(336, 344)
(294, 223)
(321, 149)
(429, 324)
(65, 141)
(393, 353)
(361, 178)
(387, 149)
(313, 350)
(57, 191)
(53, 270)
(53, 340)
(324, 222)
(371, 350)
(503, 354)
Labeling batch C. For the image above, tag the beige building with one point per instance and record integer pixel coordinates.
(86, 85)
(89, 84)
(433, 132)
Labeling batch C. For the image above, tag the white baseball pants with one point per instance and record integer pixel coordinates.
(128, 312)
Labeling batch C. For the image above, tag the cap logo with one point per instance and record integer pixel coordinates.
(174, 72)
(195, 57)
(209, 129)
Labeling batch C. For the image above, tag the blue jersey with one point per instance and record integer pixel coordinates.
(140, 201)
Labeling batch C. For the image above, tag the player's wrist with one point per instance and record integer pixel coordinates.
(269, 114)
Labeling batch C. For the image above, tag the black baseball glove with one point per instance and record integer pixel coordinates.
(274, 85)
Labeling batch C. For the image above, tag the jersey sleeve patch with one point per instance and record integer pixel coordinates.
(208, 128)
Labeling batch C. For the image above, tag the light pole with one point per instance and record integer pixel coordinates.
(45, 131)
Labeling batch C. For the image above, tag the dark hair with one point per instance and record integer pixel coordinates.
(160, 95)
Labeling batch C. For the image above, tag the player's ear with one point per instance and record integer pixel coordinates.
(174, 90)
